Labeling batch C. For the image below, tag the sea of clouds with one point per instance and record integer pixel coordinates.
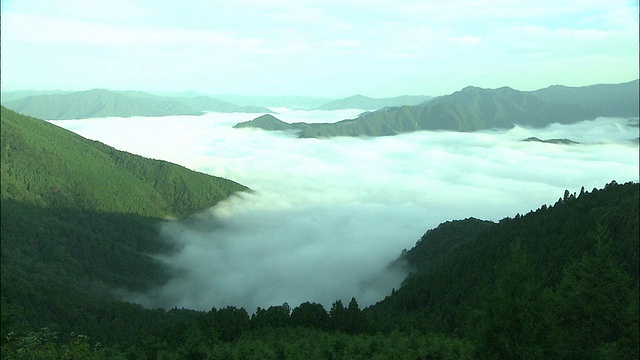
(328, 215)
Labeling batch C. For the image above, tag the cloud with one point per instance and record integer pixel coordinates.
(63, 31)
(352, 46)
(328, 215)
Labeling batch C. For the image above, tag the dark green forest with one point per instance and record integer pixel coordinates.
(79, 219)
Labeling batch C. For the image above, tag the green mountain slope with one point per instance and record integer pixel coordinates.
(447, 287)
(470, 109)
(367, 103)
(47, 166)
(104, 103)
(80, 220)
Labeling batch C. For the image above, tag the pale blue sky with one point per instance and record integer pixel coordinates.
(316, 48)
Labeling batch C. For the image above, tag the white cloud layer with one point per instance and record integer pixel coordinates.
(328, 215)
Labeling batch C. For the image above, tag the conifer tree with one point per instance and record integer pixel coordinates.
(515, 321)
(596, 304)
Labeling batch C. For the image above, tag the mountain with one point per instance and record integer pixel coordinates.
(206, 103)
(269, 122)
(104, 103)
(614, 100)
(367, 103)
(473, 109)
(553, 141)
(536, 284)
(455, 266)
(470, 109)
(20, 94)
(80, 222)
(293, 102)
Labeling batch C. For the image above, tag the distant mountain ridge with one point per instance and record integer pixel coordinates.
(615, 100)
(473, 109)
(367, 103)
(105, 103)
(292, 102)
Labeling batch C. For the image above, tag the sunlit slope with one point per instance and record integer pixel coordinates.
(80, 219)
(48, 166)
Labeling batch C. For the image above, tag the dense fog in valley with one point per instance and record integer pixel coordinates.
(328, 215)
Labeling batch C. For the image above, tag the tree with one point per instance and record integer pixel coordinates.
(597, 304)
(338, 314)
(310, 315)
(274, 316)
(516, 321)
(231, 322)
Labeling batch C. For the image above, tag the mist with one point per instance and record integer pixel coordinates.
(326, 216)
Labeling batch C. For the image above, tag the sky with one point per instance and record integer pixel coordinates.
(331, 48)
(328, 215)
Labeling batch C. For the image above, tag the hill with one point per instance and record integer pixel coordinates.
(460, 267)
(614, 100)
(293, 102)
(553, 141)
(473, 109)
(367, 103)
(272, 123)
(104, 103)
(80, 220)
(470, 109)
(16, 95)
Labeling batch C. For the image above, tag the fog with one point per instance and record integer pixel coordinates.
(328, 215)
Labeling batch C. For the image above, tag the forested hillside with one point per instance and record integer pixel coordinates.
(79, 220)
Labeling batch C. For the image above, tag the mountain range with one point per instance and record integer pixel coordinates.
(473, 109)
(79, 225)
(104, 103)
(367, 103)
